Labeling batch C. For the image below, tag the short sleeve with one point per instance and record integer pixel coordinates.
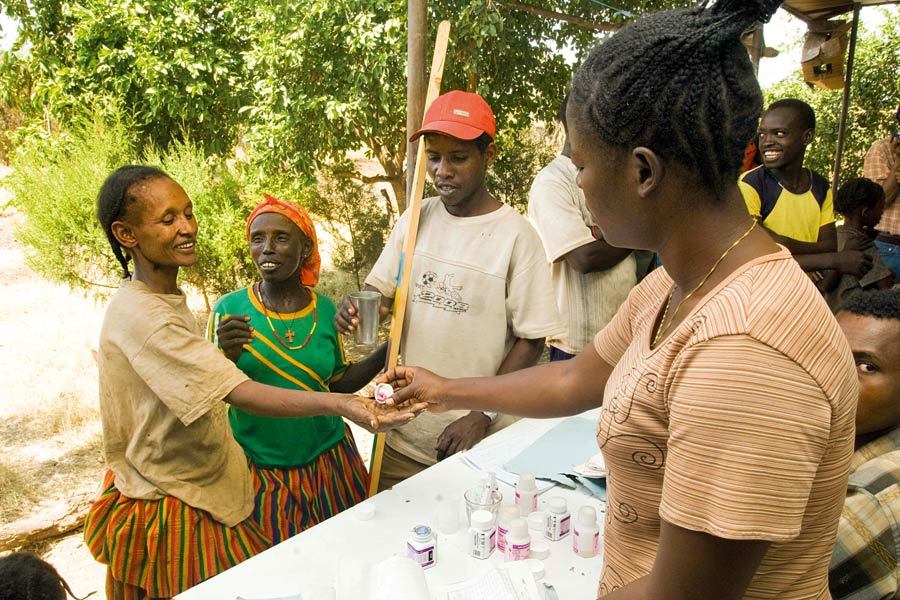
(865, 553)
(612, 341)
(186, 372)
(555, 213)
(530, 305)
(748, 428)
(876, 165)
(751, 198)
(826, 214)
(385, 274)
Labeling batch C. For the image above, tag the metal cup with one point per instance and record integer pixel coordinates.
(367, 306)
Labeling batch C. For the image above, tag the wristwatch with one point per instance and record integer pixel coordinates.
(490, 415)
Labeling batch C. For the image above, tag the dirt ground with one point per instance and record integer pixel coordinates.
(49, 420)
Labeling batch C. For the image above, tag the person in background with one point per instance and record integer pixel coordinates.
(281, 332)
(727, 387)
(794, 203)
(24, 576)
(590, 277)
(865, 564)
(882, 165)
(861, 202)
(480, 299)
(176, 504)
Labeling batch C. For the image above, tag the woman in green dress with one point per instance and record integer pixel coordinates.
(279, 331)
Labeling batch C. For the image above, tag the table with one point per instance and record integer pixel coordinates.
(339, 551)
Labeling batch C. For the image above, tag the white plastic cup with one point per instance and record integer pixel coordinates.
(367, 304)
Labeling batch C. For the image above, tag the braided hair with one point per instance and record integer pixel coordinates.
(116, 195)
(24, 576)
(681, 83)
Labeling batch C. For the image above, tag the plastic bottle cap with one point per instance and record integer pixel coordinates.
(536, 520)
(536, 567)
(540, 550)
(518, 527)
(482, 519)
(587, 516)
(508, 512)
(422, 533)
(526, 483)
(557, 505)
(365, 511)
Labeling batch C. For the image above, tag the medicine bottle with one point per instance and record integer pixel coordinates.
(586, 533)
(557, 519)
(482, 536)
(420, 546)
(507, 514)
(526, 494)
(518, 542)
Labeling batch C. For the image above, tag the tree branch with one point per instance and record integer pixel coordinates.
(552, 14)
(364, 178)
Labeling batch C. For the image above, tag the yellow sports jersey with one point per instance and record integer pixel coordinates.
(796, 216)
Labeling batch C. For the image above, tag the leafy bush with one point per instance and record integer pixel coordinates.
(55, 183)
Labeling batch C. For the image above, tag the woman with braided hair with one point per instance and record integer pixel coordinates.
(176, 505)
(728, 390)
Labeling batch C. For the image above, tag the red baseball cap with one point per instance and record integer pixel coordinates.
(459, 114)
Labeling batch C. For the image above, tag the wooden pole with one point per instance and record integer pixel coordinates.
(845, 104)
(417, 34)
(406, 259)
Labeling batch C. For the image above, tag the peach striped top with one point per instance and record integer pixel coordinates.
(740, 424)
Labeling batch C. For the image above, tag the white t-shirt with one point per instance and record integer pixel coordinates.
(478, 283)
(587, 301)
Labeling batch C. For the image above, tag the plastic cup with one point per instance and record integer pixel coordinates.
(476, 500)
(367, 304)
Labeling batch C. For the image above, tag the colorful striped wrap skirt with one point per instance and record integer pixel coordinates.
(160, 548)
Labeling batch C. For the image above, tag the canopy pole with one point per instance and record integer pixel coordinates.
(845, 105)
(416, 83)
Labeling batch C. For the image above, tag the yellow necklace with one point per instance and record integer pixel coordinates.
(289, 332)
(662, 322)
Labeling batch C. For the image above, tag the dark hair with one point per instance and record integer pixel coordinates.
(857, 194)
(24, 576)
(561, 115)
(681, 83)
(483, 141)
(805, 111)
(116, 196)
(881, 304)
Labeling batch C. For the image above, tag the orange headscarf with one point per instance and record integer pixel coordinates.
(309, 270)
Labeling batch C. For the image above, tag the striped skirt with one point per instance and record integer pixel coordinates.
(289, 501)
(159, 548)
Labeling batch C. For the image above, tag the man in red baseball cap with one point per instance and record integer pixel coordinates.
(481, 300)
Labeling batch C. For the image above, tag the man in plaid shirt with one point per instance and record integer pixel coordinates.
(865, 564)
(882, 165)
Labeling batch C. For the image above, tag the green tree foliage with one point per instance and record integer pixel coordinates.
(55, 183)
(875, 94)
(177, 65)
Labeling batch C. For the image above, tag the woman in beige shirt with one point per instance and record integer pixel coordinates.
(175, 504)
(728, 391)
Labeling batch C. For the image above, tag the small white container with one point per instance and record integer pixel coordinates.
(421, 547)
(586, 533)
(482, 536)
(536, 523)
(518, 542)
(383, 391)
(526, 494)
(558, 518)
(507, 514)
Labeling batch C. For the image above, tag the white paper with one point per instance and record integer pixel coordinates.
(512, 581)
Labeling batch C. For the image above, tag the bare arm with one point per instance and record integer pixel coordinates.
(826, 243)
(691, 565)
(595, 256)
(270, 401)
(554, 389)
(358, 374)
(523, 354)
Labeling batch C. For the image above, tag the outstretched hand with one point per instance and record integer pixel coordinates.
(415, 384)
(375, 417)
